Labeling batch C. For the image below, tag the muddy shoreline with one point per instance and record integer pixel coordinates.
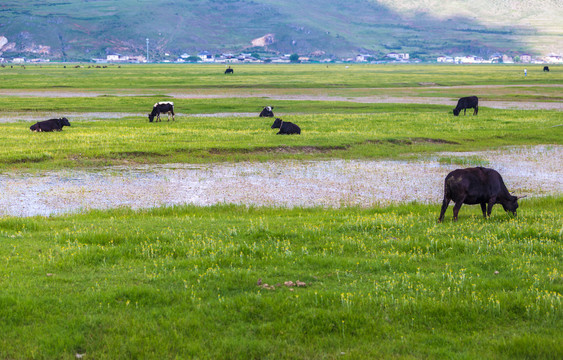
(532, 171)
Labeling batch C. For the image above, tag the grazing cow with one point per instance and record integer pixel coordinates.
(465, 103)
(162, 107)
(476, 185)
(286, 127)
(267, 112)
(546, 68)
(50, 125)
(229, 71)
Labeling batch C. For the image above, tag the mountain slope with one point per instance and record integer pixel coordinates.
(83, 29)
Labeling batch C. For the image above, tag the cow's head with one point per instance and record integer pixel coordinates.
(267, 111)
(64, 122)
(151, 117)
(277, 123)
(511, 204)
(456, 112)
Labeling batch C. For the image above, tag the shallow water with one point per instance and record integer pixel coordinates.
(532, 171)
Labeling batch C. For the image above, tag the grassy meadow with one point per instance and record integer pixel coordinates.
(214, 282)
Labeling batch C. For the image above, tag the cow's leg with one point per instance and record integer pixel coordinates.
(484, 209)
(445, 204)
(476, 110)
(457, 206)
(492, 201)
(464, 111)
(173, 116)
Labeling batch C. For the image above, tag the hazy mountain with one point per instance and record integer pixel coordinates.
(83, 29)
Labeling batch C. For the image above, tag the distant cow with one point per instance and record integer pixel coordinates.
(476, 186)
(160, 108)
(465, 103)
(229, 71)
(267, 112)
(286, 127)
(546, 68)
(50, 125)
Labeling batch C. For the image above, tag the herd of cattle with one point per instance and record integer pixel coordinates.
(470, 186)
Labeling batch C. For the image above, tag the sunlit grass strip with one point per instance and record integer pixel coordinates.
(386, 134)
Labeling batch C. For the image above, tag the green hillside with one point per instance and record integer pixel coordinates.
(81, 30)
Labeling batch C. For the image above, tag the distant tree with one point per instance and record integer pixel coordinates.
(294, 58)
(255, 55)
(517, 59)
(193, 58)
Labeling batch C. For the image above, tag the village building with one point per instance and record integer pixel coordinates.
(363, 57)
(205, 56)
(526, 58)
(445, 59)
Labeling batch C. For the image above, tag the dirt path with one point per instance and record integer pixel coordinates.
(533, 171)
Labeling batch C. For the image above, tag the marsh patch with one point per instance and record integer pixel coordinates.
(280, 150)
(532, 171)
(411, 141)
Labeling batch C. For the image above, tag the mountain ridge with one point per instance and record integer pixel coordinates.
(82, 29)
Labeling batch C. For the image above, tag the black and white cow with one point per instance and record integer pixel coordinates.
(465, 103)
(267, 112)
(50, 125)
(160, 108)
(286, 127)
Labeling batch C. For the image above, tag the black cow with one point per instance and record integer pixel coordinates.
(267, 112)
(476, 185)
(465, 103)
(162, 107)
(546, 68)
(286, 127)
(50, 125)
(229, 71)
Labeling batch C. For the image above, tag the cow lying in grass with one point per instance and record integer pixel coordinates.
(267, 112)
(50, 125)
(286, 127)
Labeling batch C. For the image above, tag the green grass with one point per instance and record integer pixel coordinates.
(181, 282)
(150, 78)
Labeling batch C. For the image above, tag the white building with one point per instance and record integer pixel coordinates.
(553, 59)
(445, 59)
(206, 56)
(398, 56)
(525, 58)
(363, 57)
(470, 59)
